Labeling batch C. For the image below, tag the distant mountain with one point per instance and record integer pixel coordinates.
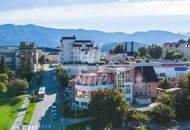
(50, 37)
(155, 37)
(186, 34)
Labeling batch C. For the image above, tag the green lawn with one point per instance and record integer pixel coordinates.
(29, 113)
(8, 111)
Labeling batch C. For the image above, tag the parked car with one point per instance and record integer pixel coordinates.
(54, 112)
(54, 109)
(54, 116)
(54, 77)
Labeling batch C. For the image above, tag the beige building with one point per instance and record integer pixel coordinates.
(182, 48)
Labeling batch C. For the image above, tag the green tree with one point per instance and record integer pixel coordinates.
(143, 52)
(108, 108)
(164, 113)
(4, 78)
(62, 76)
(164, 84)
(3, 87)
(25, 68)
(18, 87)
(3, 65)
(170, 55)
(181, 41)
(165, 98)
(12, 75)
(155, 51)
(118, 49)
(185, 81)
(137, 116)
(42, 60)
(182, 104)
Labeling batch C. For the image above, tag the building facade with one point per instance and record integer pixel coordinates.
(124, 82)
(181, 48)
(10, 56)
(78, 51)
(87, 84)
(137, 83)
(28, 52)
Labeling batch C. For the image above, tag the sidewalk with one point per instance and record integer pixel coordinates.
(18, 121)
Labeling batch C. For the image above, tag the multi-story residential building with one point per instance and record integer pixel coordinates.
(52, 55)
(181, 48)
(10, 56)
(145, 84)
(29, 51)
(78, 51)
(137, 83)
(123, 82)
(86, 84)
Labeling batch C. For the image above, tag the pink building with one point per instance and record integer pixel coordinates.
(86, 84)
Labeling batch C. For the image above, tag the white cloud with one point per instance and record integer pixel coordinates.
(95, 15)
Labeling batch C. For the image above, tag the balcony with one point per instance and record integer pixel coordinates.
(93, 88)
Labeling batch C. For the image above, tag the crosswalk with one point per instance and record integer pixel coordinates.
(42, 126)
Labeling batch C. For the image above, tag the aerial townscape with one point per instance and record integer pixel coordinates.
(85, 79)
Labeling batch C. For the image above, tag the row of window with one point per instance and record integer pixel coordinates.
(140, 93)
(125, 91)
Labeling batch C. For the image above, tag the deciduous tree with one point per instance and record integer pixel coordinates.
(109, 107)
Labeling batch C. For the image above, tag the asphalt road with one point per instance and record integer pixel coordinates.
(41, 119)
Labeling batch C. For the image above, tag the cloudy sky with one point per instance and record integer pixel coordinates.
(107, 15)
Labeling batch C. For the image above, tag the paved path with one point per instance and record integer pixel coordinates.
(18, 121)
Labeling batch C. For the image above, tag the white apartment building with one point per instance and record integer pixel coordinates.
(78, 51)
(123, 84)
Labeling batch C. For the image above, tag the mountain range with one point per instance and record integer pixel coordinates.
(50, 37)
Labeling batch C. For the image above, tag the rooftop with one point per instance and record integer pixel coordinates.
(148, 73)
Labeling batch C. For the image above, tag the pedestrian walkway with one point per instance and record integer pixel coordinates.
(18, 121)
(41, 126)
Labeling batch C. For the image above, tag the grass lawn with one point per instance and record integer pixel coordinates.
(29, 113)
(9, 108)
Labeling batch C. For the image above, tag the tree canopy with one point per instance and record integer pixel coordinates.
(62, 76)
(118, 49)
(3, 87)
(155, 51)
(18, 87)
(108, 107)
(164, 84)
(3, 65)
(164, 113)
(143, 52)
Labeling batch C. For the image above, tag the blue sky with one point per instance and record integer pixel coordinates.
(108, 15)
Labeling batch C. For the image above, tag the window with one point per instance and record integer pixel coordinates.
(149, 85)
(128, 91)
(149, 92)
